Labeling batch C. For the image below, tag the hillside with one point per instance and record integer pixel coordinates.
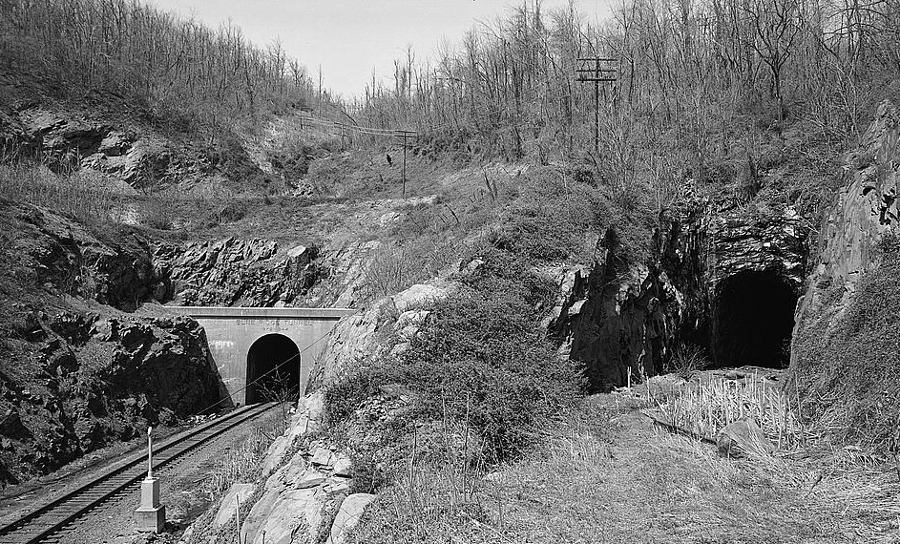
(691, 310)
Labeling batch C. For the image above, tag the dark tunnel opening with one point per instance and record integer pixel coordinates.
(753, 319)
(273, 368)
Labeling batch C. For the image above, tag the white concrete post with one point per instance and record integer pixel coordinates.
(151, 515)
(149, 454)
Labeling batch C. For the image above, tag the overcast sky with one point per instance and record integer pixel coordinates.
(349, 38)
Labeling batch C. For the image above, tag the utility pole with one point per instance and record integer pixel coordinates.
(405, 134)
(597, 70)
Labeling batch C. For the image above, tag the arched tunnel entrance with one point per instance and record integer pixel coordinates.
(753, 317)
(273, 368)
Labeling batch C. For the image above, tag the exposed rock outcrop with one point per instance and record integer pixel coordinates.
(68, 259)
(307, 492)
(254, 272)
(348, 516)
(866, 210)
(67, 140)
(846, 345)
(366, 334)
(93, 380)
(75, 373)
(235, 272)
(297, 491)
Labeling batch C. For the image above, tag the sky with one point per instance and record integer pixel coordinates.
(349, 38)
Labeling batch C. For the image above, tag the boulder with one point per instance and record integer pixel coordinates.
(343, 467)
(237, 493)
(321, 457)
(280, 515)
(312, 478)
(743, 438)
(348, 516)
(418, 296)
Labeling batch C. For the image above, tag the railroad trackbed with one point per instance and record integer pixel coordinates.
(50, 521)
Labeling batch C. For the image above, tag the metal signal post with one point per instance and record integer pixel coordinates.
(597, 70)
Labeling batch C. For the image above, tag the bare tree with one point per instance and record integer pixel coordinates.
(777, 24)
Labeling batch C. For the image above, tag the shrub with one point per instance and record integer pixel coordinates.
(481, 359)
(158, 214)
(686, 360)
(348, 392)
(549, 218)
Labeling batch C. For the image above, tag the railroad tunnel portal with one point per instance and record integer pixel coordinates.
(246, 343)
(753, 317)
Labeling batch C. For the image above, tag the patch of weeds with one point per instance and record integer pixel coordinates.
(158, 214)
(368, 476)
(686, 360)
(548, 219)
(347, 393)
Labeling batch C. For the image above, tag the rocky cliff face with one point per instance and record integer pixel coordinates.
(66, 258)
(235, 272)
(133, 155)
(68, 141)
(846, 345)
(255, 272)
(83, 381)
(75, 372)
(866, 210)
(709, 267)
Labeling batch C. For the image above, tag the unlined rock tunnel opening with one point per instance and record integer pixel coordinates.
(273, 368)
(753, 319)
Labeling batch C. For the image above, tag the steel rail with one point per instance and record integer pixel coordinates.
(46, 519)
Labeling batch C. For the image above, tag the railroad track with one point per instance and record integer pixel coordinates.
(40, 523)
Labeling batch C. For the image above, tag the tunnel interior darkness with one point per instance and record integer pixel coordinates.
(753, 319)
(266, 363)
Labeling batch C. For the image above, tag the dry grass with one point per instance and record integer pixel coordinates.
(609, 476)
(84, 194)
(707, 405)
(242, 463)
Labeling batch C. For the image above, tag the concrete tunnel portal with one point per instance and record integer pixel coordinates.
(245, 343)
